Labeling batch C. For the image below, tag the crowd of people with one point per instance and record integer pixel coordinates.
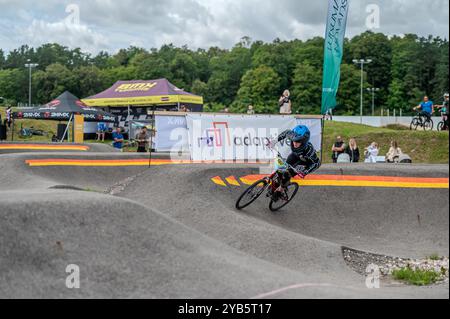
(350, 153)
(142, 139)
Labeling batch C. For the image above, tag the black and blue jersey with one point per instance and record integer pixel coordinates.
(304, 158)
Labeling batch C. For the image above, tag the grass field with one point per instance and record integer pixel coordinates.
(423, 147)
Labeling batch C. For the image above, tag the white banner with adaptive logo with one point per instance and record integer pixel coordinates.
(315, 126)
(171, 134)
(236, 137)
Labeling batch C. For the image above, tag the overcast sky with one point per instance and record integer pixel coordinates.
(113, 24)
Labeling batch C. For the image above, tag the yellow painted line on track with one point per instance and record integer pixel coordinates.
(44, 148)
(361, 183)
(115, 162)
(219, 181)
(106, 164)
(232, 181)
(314, 180)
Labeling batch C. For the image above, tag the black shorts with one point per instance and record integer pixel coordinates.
(425, 115)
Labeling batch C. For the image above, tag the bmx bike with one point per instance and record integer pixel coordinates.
(422, 121)
(30, 132)
(269, 185)
(442, 125)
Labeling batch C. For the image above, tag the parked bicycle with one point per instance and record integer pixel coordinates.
(421, 121)
(30, 132)
(270, 185)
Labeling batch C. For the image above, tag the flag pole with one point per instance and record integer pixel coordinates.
(151, 137)
(321, 139)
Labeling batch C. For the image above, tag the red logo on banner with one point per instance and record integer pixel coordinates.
(218, 133)
(54, 103)
(80, 103)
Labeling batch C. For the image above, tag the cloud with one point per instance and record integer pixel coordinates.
(68, 34)
(110, 24)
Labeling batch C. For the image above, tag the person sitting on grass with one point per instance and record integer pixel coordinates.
(337, 149)
(371, 153)
(353, 151)
(118, 139)
(394, 153)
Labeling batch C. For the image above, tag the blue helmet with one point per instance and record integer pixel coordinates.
(301, 134)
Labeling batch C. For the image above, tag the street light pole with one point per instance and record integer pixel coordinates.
(361, 62)
(373, 90)
(30, 66)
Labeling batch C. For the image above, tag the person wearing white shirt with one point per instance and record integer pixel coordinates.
(371, 153)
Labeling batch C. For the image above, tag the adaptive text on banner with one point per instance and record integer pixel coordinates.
(228, 137)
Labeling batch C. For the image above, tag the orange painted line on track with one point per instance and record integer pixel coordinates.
(42, 147)
(121, 162)
(382, 182)
(395, 179)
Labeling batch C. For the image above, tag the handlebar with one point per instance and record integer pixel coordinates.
(272, 148)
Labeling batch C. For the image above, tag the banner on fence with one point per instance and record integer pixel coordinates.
(235, 137)
(171, 134)
(315, 126)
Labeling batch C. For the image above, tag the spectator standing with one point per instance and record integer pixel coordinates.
(8, 116)
(329, 115)
(118, 139)
(250, 110)
(353, 151)
(337, 149)
(142, 139)
(285, 103)
(184, 109)
(101, 130)
(371, 153)
(394, 153)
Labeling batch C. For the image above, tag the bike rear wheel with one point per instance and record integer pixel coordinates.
(252, 193)
(440, 126)
(286, 197)
(428, 125)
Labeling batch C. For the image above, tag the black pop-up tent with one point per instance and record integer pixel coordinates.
(64, 108)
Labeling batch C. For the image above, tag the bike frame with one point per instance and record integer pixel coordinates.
(278, 155)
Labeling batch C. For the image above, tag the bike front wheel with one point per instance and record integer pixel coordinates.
(252, 193)
(440, 126)
(414, 124)
(284, 198)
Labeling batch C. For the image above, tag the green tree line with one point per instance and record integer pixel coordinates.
(252, 72)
